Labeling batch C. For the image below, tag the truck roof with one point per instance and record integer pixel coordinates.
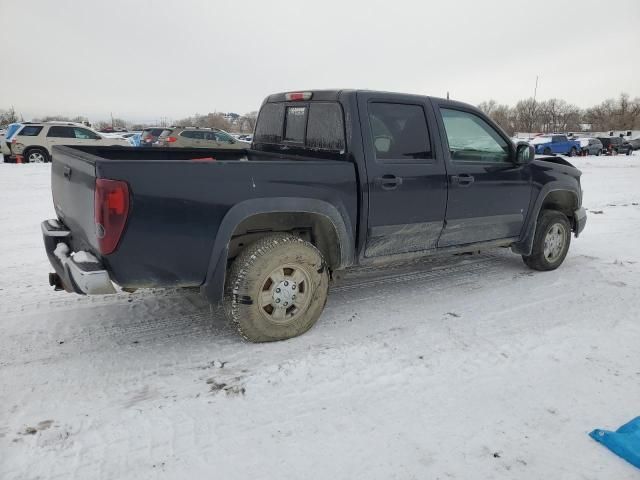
(334, 95)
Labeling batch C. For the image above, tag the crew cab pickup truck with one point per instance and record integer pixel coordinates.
(333, 179)
(560, 144)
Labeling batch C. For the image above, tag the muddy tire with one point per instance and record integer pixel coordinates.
(573, 152)
(276, 288)
(551, 241)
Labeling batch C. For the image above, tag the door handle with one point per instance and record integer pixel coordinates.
(67, 172)
(463, 180)
(388, 182)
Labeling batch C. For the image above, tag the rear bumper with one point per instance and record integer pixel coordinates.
(580, 221)
(86, 278)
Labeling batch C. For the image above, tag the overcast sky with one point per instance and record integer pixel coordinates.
(143, 60)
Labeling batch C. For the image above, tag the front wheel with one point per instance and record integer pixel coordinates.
(551, 241)
(630, 151)
(547, 151)
(276, 288)
(599, 152)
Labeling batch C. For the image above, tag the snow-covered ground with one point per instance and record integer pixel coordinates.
(469, 367)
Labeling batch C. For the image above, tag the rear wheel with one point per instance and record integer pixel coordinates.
(276, 288)
(36, 155)
(630, 151)
(572, 152)
(551, 241)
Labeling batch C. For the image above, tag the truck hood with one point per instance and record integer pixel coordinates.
(556, 163)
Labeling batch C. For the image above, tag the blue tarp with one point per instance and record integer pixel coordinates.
(624, 442)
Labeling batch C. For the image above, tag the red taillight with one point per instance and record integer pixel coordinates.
(111, 210)
(171, 139)
(296, 96)
(14, 140)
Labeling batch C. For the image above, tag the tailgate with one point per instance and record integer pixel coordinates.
(72, 184)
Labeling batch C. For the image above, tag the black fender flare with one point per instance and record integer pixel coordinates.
(525, 245)
(213, 286)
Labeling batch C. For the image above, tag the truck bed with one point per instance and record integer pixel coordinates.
(178, 199)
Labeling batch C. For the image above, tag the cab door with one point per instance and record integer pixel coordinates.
(60, 135)
(489, 194)
(406, 178)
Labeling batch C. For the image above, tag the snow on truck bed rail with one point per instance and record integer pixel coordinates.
(468, 367)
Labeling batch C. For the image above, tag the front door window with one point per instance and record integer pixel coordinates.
(471, 139)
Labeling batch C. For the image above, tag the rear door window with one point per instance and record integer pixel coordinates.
(30, 131)
(61, 132)
(295, 124)
(399, 131)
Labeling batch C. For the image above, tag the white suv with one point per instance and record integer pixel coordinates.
(33, 142)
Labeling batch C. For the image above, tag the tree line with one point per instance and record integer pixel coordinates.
(556, 115)
(528, 115)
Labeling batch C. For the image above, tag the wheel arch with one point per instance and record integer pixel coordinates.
(327, 224)
(553, 196)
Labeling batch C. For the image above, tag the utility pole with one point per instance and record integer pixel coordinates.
(447, 95)
(533, 107)
(112, 120)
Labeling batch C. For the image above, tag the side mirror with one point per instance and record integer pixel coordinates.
(524, 153)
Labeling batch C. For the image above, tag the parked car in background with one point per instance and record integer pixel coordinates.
(616, 146)
(559, 144)
(635, 143)
(127, 134)
(194, 137)
(590, 146)
(150, 135)
(134, 139)
(32, 143)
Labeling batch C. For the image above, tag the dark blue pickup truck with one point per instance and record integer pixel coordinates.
(333, 179)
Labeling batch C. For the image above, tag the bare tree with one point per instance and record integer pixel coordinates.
(501, 114)
(247, 121)
(525, 115)
(8, 116)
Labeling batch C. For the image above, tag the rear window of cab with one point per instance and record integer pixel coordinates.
(315, 125)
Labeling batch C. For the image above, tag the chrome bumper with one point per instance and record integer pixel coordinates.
(86, 278)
